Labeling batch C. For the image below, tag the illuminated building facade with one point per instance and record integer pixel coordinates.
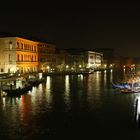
(26, 55)
(18, 55)
(46, 56)
(93, 59)
(81, 59)
(60, 60)
(23, 55)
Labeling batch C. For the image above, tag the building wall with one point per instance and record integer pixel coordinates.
(60, 57)
(84, 59)
(46, 56)
(8, 55)
(26, 55)
(23, 55)
(94, 59)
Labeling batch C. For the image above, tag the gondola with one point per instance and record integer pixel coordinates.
(125, 90)
(120, 86)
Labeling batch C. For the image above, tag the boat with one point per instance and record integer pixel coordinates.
(125, 90)
(35, 81)
(18, 91)
(120, 86)
(127, 87)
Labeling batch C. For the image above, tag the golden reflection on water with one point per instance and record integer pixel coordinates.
(78, 92)
(67, 90)
(48, 89)
(67, 85)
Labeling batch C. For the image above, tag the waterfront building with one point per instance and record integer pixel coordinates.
(18, 55)
(83, 59)
(109, 56)
(74, 61)
(60, 56)
(23, 55)
(93, 59)
(46, 56)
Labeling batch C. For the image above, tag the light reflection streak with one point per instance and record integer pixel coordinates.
(111, 74)
(98, 79)
(39, 91)
(48, 89)
(26, 109)
(80, 77)
(4, 103)
(105, 78)
(67, 85)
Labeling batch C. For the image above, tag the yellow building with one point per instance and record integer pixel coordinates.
(23, 55)
(18, 55)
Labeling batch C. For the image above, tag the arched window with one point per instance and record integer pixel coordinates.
(22, 58)
(10, 45)
(17, 45)
(10, 59)
(35, 58)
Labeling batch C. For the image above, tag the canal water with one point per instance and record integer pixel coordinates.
(71, 106)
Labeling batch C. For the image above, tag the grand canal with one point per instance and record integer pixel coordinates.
(70, 106)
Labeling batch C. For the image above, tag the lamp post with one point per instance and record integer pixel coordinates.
(48, 68)
(67, 67)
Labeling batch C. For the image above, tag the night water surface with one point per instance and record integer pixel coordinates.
(71, 106)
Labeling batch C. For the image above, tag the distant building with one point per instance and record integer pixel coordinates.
(46, 56)
(108, 54)
(60, 63)
(82, 59)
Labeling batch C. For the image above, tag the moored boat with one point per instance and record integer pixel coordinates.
(127, 87)
(125, 90)
(120, 86)
(18, 91)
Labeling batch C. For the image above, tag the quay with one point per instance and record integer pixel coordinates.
(18, 85)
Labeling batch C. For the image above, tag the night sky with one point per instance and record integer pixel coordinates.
(99, 24)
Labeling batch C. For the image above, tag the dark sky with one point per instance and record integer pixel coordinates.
(99, 24)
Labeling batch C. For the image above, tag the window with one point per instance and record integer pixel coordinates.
(17, 45)
(10, 45)
(10, 58)
(21, 45)
(18, 57)
(22, 58)
(91, 57)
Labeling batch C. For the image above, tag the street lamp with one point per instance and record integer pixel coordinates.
(67, 66)
(48, 67)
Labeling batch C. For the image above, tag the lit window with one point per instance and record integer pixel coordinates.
(17, 45)
(10, 45)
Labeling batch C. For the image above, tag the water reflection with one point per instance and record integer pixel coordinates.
(48, 89)
(67, 85)
(25, 109)
(67, 89)
(68, 104)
